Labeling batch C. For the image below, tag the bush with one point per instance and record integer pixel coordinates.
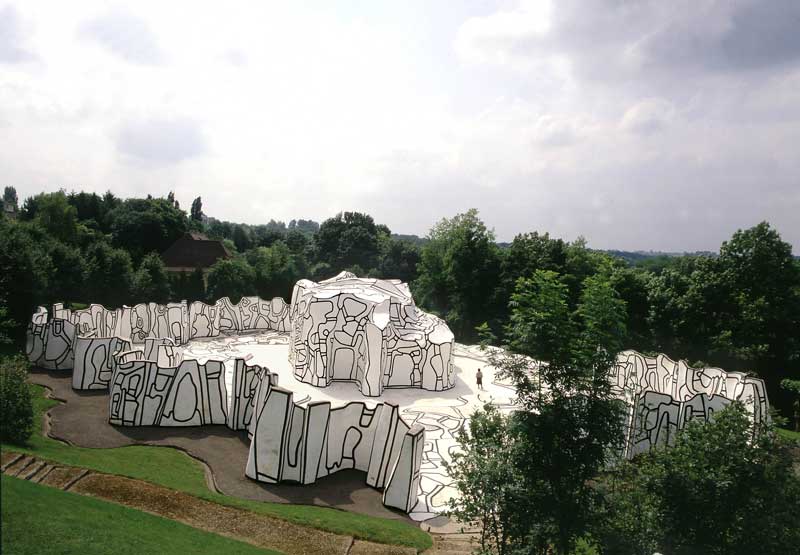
(16, 408)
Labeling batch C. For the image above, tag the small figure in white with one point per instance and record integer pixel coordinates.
(479, 379)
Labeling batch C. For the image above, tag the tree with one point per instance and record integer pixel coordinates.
(197, 210)
(568, 423)
(57, 216)
(793, 387)
(10, 198)
(109, 275)
(25, 274)
(241, 238)
(151, 282)
(398, 259)
(458, 272)
(16, 407)
(722, 488)
(141, 226)
(349, 239)
(231, 278)
(486, 478)
(275, 270)
(763, 280)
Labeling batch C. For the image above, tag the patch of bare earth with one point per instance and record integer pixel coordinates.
(252, 528)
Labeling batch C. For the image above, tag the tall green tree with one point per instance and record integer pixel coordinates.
(458, 273)
(275, 270)
(109, 275)
(10, 198)
(57, 216)
(197, 209)
(568, 424)
(141, 226)
(150, 282)
(349, 239)
(232, 278)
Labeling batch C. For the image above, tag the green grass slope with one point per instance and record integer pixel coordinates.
(41, 520)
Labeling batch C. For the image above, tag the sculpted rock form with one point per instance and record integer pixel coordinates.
(370, 332)
(662, 396)
(296, 443)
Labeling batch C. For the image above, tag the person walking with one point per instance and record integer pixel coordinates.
(479, 379)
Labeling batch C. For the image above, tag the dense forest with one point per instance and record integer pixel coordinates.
(738, 309)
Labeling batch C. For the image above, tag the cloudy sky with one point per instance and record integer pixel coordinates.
(640, 125)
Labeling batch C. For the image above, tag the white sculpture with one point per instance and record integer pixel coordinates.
(367, 331)
(298, 443)
(662, 396)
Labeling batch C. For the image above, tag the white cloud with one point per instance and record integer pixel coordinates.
(648, 116)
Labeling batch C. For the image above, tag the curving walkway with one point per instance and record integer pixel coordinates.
(82, 420)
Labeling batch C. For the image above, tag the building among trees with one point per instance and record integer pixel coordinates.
(194, 251)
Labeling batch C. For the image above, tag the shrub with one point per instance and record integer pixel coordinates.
(16, 408)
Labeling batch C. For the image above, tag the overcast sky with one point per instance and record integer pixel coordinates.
(640, 125)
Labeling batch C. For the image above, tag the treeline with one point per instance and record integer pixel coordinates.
(738, 309)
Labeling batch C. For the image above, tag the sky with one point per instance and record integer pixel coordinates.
(638, 125)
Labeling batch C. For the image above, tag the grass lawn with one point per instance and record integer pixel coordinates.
(41, 520)
(788, 434)
(174, 469)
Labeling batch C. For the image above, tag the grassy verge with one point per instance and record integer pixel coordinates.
(42, 520)
(788, 434)
(175, 469)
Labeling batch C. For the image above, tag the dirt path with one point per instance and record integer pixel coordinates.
(240, 524)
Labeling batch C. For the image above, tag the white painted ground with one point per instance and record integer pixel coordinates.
(442, 413)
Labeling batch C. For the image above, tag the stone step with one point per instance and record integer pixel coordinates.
(7, 458)
(455, 545)
(62, 477)
(19, 465)
(42, 473)
(32, 469)
(456, 537)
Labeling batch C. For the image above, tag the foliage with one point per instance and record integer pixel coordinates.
(10, 198)
(146, 225)
(232, 278)
(109, 272)
(793, 386)
(568, 423)
(150, 282)
(350, 239)
(722, 488)
(486, 478)
(16, 408)
(275, 270)
(196, 213)
(458, 272)
(188, 286)
(42, 520)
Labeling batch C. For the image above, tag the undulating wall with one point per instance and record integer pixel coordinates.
(296, 443)
(662, 396)
(144, 393)
(370, 332)
(51, 343)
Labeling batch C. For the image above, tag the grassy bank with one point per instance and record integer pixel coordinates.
(43, 520)
(174, 469)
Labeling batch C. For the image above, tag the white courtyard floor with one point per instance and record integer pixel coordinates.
(442, 413)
